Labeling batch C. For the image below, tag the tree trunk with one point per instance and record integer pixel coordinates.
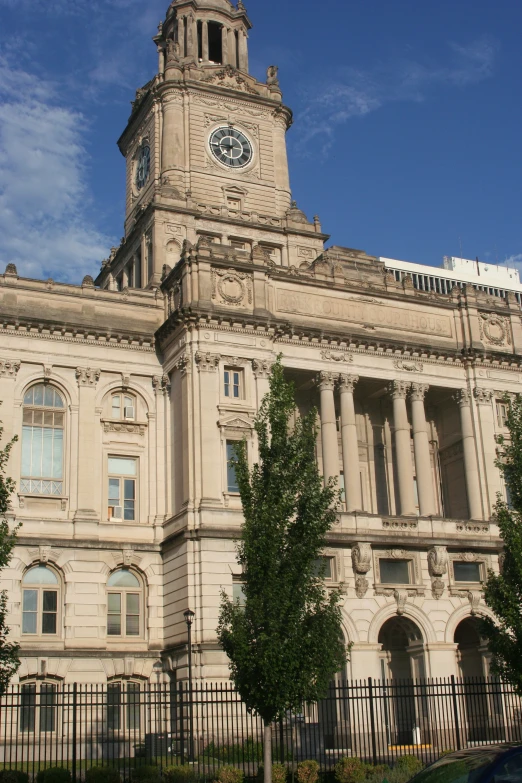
(267, 754)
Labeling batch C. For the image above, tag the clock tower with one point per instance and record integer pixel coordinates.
(205, 147)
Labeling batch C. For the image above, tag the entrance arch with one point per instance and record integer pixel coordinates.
(402, 649)
(471, 649)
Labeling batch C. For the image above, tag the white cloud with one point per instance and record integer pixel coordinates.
(43, 196)
(514, 260)
(356, 93)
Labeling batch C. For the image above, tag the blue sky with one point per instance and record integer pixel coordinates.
(406, 139)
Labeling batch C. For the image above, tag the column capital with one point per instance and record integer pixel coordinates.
(463, 397)
(418, 391)
(161, 383)
(347, 383)
(87, 377)
(482, 396)
(261, 367)
(207, 362)
(399, 389)
(326, 380)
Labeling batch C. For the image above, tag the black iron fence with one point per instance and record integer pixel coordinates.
(126, 724)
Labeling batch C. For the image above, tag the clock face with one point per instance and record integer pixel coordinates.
(231, 147)
(143, 167)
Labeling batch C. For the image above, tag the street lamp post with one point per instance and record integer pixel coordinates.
(189, 615)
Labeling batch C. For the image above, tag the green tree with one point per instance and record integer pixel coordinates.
(503, 592)
(9, 661)
(285, 643)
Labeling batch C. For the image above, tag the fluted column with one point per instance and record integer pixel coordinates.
(326, 383)
(421, 449)
(401, 426)
(470, 455)
(350, 444)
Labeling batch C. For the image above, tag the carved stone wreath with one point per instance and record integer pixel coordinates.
(494, 329)
(231, 288)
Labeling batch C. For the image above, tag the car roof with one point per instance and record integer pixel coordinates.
(493, 748)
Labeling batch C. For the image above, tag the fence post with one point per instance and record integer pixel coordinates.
(74, 719)
(372, 721)
(181, 719)
(455, 711)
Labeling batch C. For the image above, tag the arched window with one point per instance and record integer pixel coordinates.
(124, 705)
(38, 707)
(124, 604)
(40, 588)
(123, 406)
(42, 441)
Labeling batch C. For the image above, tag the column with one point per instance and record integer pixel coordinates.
(401, 427)
(172, 151)
(485, 408)
(224, 45)
(350, 444)
(470, 455)
(204, 39)
(421, 449)
(89, 466)
(181, 36)
(243, 51)
(326, 382)
(232, 58)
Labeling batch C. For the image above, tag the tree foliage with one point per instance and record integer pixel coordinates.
(285, 644)
(503, 592)
(9, 661)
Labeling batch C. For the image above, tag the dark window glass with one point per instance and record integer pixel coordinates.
(396, 572)
(466, 572)
(325, 563)
(47, 707)
(114, 614)
(133, 706)
(27, 707)
(50, 610)
(231, 467)
(113, 706)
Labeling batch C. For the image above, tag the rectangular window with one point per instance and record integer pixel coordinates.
(233, 384)
(232, 484)
(395, 572)
(49, 611)
(47, 707)
(238, 593)
(467, 572)
(113, 706)
(42, 452)
(132, 617)
(27, 707)
(122, 488)
(133, 706)
(114, 614)
(502, 413)
(323, 565)
(29, 611)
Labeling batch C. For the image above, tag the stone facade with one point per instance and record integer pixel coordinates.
(126, 393)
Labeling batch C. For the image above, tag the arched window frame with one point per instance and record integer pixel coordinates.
(39, 706)
(125, 608)
(125, 704)
(123, 406)
(42, 469)
(42, 610)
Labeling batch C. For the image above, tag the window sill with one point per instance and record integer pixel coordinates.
(389, 589)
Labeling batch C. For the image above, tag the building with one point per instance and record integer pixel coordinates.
(127, 392)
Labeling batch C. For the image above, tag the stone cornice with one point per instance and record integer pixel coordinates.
(78, 335)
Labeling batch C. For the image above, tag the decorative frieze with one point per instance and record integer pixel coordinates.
(399, 524)
(87, 376)
(9, 368)
(401, 596)
(337, 356)
(161, 383)
(482, 396)
(123, 427)
(438, 560)
(495, 329)
(414, 366)
(362, 562)
(261, 368)
(207, 362)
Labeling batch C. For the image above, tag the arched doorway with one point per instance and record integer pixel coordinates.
(402, 666)
(333, 713)
(482, 702)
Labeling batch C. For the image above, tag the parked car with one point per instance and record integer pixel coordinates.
(484, 764)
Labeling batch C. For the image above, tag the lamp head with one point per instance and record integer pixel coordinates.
(189, 615)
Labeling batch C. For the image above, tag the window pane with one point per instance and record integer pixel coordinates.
(114, 602)
(49, 623)
(38, 395)
(40, 575)
(133, 603)
(114, 625)
(133, 706)
(47, 707)
(30, 600)
(238, 593)
(29, 397)
(132, 625)
(114, 491)
(50, 601)
(323, 563)
(123, 578)
(122, 466)
(27, 447)
(49, 397)
(113, 706)
(231, 467)
(116, 406)
(36, 457)
(466, 572)
(27, 707)
(57, 462)
(227, 383)
(47, 452)
(395, 572)
(129, 489)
